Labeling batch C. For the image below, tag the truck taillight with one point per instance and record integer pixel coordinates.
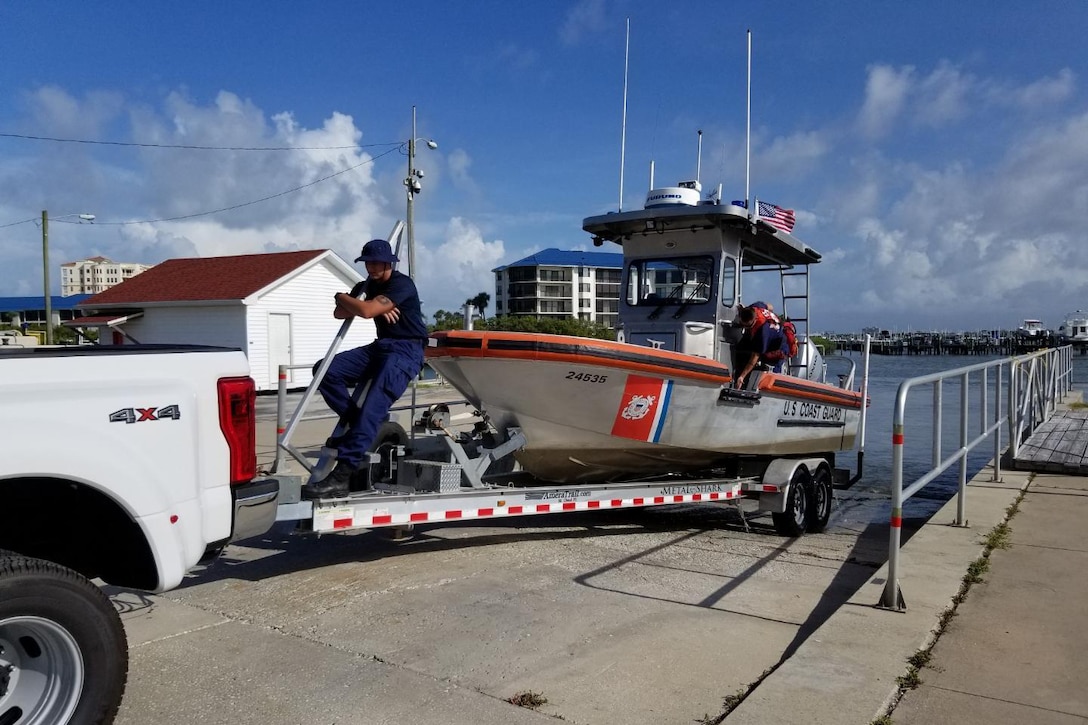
(238, 421)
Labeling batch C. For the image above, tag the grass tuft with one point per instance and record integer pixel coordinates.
(920, 658)
(999, 537)
(977, 568)
(528, 699)
(909, 681)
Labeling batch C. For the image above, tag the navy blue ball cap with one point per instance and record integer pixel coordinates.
(377, 250)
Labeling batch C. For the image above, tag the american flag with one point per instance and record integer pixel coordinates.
(776, 216)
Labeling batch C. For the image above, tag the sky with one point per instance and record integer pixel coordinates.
(935, 153)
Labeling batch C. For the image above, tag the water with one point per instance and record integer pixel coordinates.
(869, 500)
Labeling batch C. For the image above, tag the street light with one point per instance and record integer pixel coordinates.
(413, 187)
(45, 268)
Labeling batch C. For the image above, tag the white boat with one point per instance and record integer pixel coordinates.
(660, 399)
(1032, 329)
(1074, 329)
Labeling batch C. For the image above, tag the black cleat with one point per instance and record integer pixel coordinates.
(335, 485)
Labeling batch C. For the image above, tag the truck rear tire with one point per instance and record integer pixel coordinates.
(63, 650)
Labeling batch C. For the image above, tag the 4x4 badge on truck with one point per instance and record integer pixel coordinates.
(139, 415)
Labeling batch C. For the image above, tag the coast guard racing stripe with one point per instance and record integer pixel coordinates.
(642, 409)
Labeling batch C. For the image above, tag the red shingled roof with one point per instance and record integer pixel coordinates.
(203, 278)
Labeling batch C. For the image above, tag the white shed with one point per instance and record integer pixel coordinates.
(277, 308)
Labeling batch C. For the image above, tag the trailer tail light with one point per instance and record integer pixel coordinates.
(238, 421)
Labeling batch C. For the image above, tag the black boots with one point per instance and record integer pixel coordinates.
(335, 485)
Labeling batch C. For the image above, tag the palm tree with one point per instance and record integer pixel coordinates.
(480, 302)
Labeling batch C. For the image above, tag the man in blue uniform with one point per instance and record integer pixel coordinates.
(762, 335)
(389, 363)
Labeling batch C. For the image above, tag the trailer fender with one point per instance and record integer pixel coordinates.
(779, 473)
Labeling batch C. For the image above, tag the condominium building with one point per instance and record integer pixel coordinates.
(557, 283)
(94, 275)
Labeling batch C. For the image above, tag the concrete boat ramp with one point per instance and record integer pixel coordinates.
(669, 615)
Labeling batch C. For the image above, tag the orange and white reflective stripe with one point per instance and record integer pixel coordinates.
(365, 516)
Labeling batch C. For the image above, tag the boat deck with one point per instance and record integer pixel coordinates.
(1060, 445)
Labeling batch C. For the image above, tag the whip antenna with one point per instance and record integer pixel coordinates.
(748, 134)
(623, 132)
(699, 159)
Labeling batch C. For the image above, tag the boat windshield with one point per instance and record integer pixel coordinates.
(669, 281)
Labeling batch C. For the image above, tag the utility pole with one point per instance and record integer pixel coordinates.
(45, 278)
(413, 187)
(45, 268)
(411, 183)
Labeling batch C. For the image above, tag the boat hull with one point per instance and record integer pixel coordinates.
(597, 410)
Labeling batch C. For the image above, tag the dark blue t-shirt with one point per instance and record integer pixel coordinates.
(768, 337)
(401, 290)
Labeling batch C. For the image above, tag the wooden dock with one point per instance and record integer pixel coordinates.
(946, 345)
(1060, 445)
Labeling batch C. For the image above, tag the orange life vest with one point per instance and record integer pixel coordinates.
(762, 317)
(790, 333)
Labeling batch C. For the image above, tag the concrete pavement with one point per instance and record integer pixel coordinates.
(1015, 651)
(668, 615)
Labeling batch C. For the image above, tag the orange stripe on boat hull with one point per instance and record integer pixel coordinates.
(615, 355)
(791, 387)
(577, 351)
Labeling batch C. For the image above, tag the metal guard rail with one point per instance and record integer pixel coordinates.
(1035, 384)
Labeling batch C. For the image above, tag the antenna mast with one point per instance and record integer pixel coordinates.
(748, 134)
(699, 161)
(623, 133)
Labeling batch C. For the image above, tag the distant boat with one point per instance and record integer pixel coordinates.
(1074, 330)
(1032, 329)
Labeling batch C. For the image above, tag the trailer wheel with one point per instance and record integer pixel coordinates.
(794, 520)
(822, 492)
(63, 652)
(390, 435)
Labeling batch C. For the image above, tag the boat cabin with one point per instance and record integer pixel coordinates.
(685, 263)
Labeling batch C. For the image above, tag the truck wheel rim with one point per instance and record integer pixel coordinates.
(41, 671)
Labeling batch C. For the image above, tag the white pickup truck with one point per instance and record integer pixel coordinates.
(129, 464)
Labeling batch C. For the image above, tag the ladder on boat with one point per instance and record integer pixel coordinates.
(795, 297)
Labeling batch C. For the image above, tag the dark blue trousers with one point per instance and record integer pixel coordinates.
(389, 364)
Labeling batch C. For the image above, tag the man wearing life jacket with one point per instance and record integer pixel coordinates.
(760, 344)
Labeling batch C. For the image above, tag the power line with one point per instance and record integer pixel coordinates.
(24, 221)
(28, 137)
(226, 208)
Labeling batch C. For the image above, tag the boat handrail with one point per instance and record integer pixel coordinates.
(846, 380)
(1033, 385)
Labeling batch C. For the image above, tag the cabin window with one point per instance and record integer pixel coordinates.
(729, 281)
(669, 281)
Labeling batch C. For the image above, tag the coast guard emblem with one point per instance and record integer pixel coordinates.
(641, 411)
(638, 407)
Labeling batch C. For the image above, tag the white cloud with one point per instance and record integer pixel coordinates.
(518, 57)
(791, 156)
(942, 96)
(158, 183)
(948, 94)
(301, 210)
(886, 90)
(1040, 93)
(459, 164)
(980, 245)
(457, 268)
(585, 18)
(57, 113)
